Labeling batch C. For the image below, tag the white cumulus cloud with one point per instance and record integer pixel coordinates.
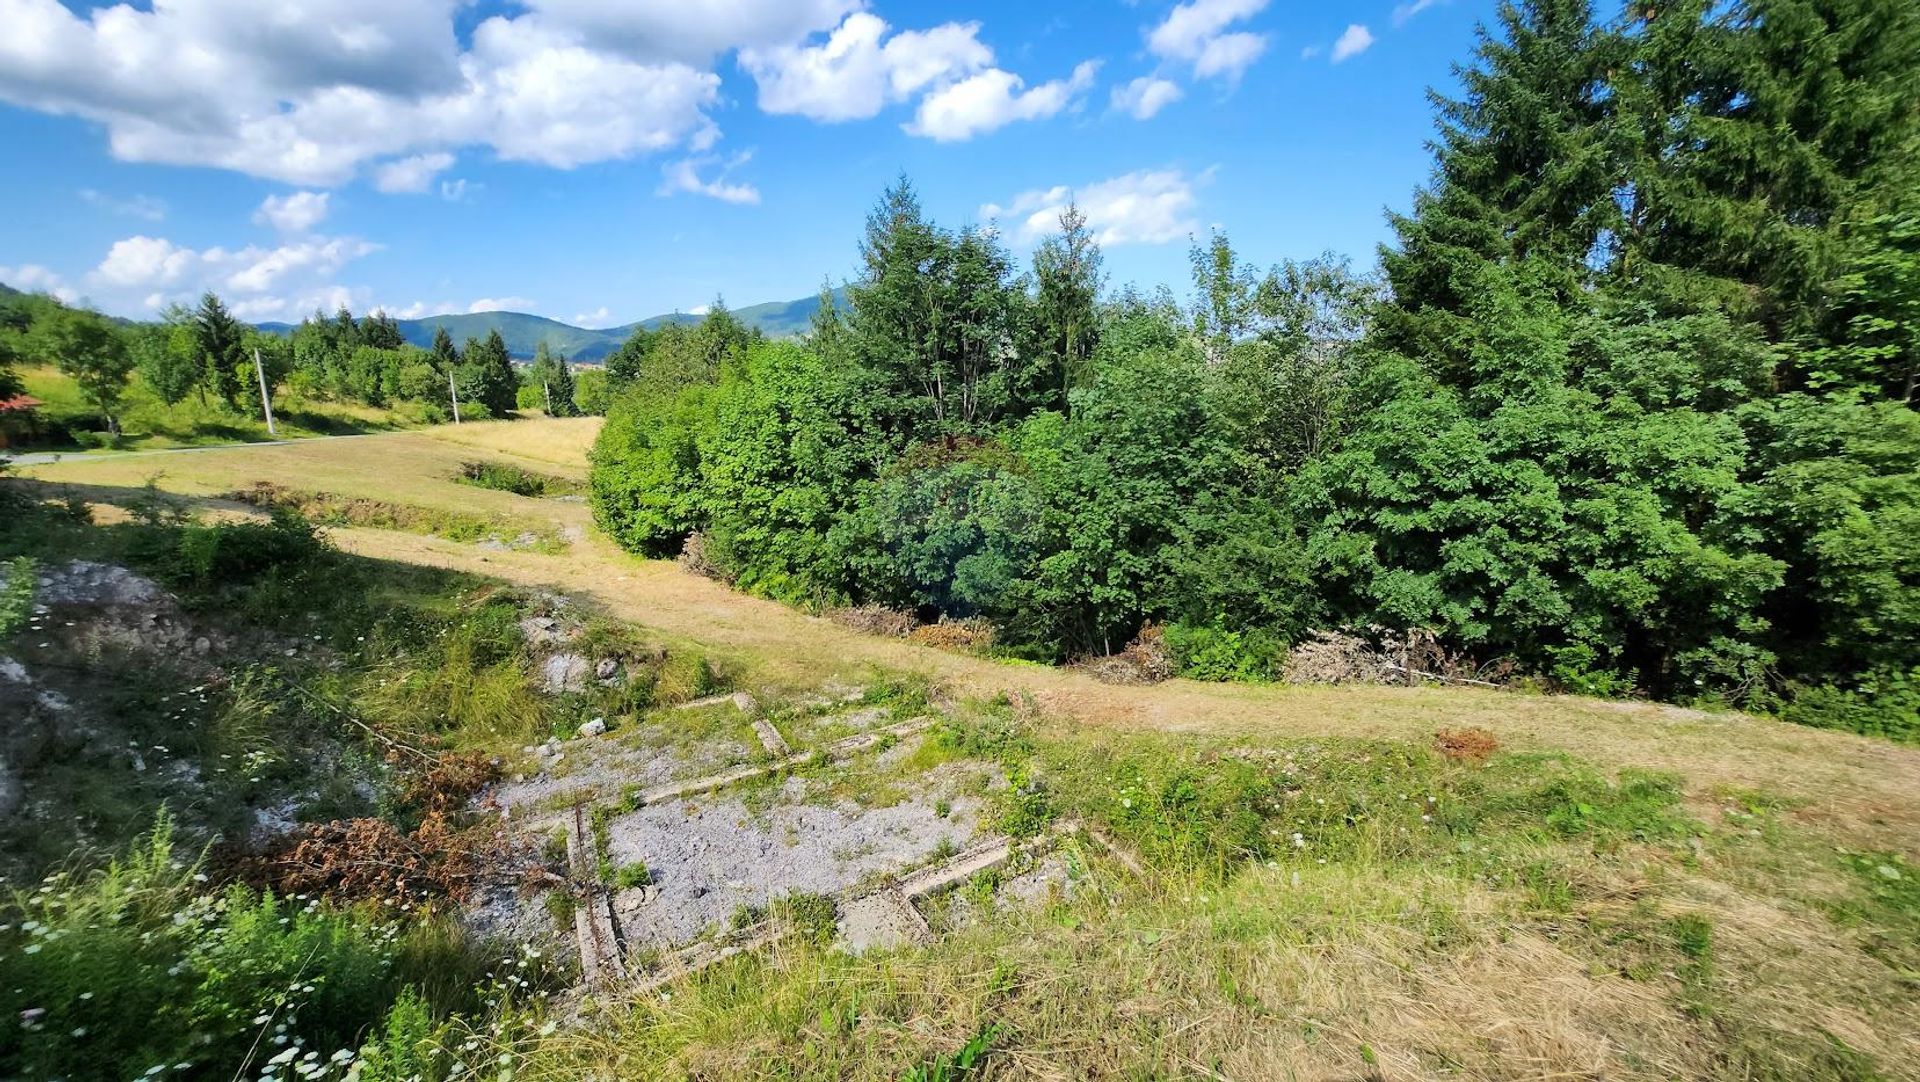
(1356, 39)
(1197, 33)
(1145, 96)
(321, 89)
(266, 279)
(291, 308)
(34, 278)
(1143, 207)
(295, 213)
(693, 32)
(859, 70)
(684, 176)
(414, 173)
(144, 261)
(502, 304)
(993, 99)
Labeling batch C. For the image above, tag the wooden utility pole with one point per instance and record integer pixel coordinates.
(266, 400)
(453, 392)
(547, 388)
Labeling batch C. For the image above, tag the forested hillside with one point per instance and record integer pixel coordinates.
(1627, 407)
(524, 333)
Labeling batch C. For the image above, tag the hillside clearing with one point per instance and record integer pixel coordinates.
(1298, 885)
(1866, 784)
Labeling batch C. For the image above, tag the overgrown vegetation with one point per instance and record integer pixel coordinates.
(1626, 405)
(506, 477)
(1258, 860)
(188, 379)
(139, 970)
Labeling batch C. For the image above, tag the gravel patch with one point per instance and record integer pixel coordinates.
(608, 765)
(710, 856)
(82, 582)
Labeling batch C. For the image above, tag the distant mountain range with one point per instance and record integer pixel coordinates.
(524, 332)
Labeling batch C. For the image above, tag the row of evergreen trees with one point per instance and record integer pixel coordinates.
(1631, 401)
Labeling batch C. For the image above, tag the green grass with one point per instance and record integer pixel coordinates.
(1482, 893)
(17, 578)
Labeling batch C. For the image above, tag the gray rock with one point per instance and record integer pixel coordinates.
(562, 673)
(594, 727)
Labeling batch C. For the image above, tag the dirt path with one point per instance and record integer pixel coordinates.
(1852, 781)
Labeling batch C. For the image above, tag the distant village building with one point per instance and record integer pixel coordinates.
(19, 418)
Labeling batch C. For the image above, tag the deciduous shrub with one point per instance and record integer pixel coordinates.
(1214, 652)
(228, 552)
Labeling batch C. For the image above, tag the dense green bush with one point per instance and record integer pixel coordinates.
(229, 552)
(1627, 415)
(1214, 652)
(505, 477)
(1885, 704)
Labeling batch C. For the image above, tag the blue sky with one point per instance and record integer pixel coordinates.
(598, 161)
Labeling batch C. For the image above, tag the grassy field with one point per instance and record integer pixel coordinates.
(148, 424)
(1616, 889)
(419, 468)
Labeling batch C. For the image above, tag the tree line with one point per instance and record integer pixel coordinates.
(206, 353)
(1629, 401)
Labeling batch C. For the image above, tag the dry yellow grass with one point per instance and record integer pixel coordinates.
(404, 467)
(554, 441)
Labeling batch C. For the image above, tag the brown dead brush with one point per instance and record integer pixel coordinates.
(1384, 656)
(1146, 660)
(449, 782)
(875, 620)
(1472, 745)
(962, 636)
(694, 557)
(372, 860)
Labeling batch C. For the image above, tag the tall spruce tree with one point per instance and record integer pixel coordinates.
(1523, 180)
(1067, 279)
(553, 378)
(498, 386)
(1774, 197)
(1769, 130)
(222, 344)
(445, 359)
